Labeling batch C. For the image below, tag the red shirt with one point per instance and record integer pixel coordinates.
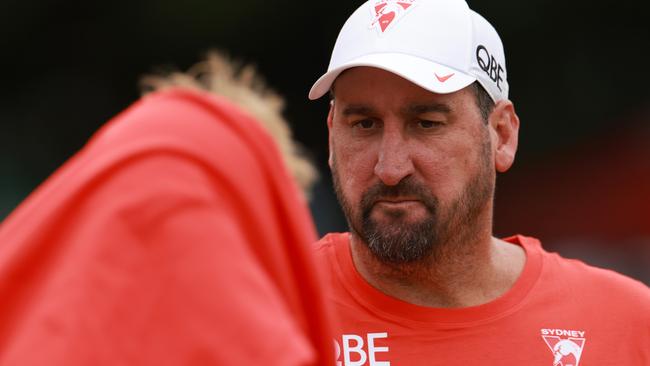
(559, 312)
(175, 237)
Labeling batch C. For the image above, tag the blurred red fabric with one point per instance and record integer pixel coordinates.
(176, 236)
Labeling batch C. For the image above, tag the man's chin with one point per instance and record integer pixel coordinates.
(397, 227)
(399, 245)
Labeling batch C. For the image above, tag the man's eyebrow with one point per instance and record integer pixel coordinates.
(357, 109)
(426, 108)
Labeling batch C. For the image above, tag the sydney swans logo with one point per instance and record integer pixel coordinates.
(566, 345)
(386, 12)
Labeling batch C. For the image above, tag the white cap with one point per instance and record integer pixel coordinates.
(440, 45)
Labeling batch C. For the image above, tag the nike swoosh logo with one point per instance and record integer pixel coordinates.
(442, 79)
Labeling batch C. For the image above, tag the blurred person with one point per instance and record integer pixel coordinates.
(176, 236)
(419, 125)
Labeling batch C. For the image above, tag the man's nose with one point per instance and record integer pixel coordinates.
(394, 158)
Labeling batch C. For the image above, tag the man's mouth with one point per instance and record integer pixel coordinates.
(398, 202)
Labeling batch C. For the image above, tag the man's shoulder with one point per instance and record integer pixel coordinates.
(594, 281)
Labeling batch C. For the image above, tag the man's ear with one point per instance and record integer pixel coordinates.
(330, 118)
(504, 123)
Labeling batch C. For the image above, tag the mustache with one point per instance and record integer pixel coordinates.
(405, 188)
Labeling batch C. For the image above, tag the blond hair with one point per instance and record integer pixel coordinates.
(242, 85)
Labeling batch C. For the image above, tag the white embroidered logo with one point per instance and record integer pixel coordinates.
(566, 345)
(362, 351)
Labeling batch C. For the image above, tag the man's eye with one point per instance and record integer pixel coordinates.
(428, 124)
(365, 124)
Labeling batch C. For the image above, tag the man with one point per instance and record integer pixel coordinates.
(419, 124)
(175, 237)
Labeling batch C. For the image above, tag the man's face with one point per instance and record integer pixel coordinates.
(412, 169)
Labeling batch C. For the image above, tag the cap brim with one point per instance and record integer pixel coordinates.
(429, 75)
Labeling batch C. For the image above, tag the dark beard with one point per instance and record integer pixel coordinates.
(403, 242)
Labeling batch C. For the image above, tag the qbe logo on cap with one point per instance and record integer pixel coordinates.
(489, 65)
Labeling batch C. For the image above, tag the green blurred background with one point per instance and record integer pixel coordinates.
(577, 70)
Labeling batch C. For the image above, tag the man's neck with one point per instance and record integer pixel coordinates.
(456, 275)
